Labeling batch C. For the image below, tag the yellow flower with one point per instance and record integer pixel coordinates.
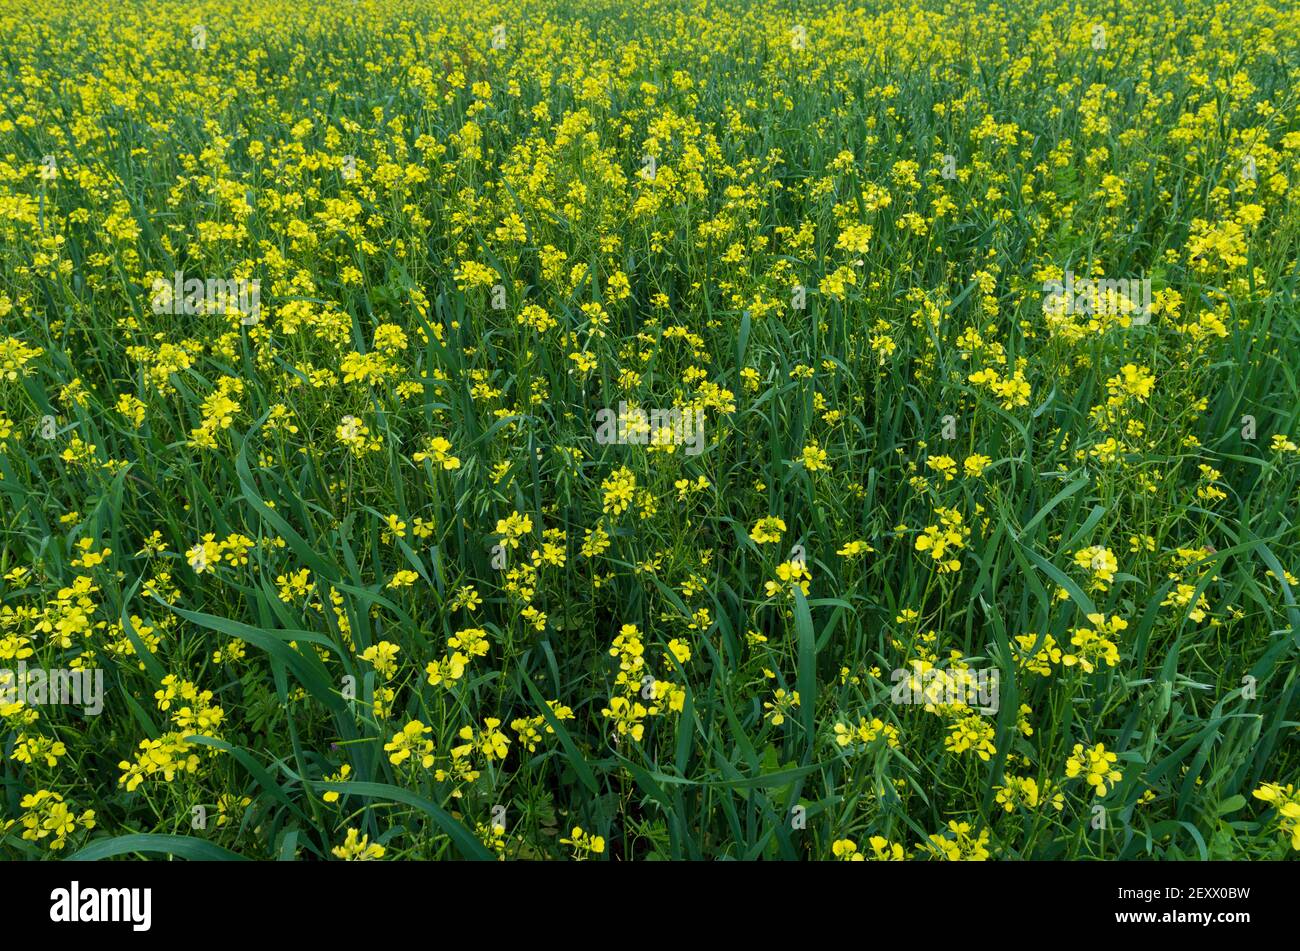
(490, 741)
(584, 843)
(780, 706)
(204, 556)
(882, 850)
(332, 795)
(946, 466)
(680, 650)
(411, 741)
(438, 450)
(1285, 800)
(1101, 562)
(1095, 765)
(945, 540)
(355, 435)
(767, 529)
(958, 845)
(846, 850)
(294, 587)
(855, 239)
(618, 488)
(513, 528)
(358, 848)
(790, 575)
(383, 657)
(447, 669)
(813, 457)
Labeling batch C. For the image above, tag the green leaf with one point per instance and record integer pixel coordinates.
(180, 846)
(467, 844)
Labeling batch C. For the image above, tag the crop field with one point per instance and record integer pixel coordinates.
(701, 429)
